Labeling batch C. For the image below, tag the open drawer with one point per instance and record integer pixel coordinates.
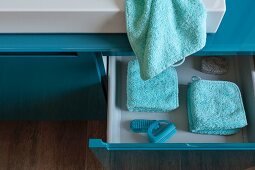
(120, 137)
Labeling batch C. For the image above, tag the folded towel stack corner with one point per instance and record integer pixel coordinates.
(215, 107)
(159, 94)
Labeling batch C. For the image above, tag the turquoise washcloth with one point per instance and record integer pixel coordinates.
(163, 32)
(159, 94)
(215, 107)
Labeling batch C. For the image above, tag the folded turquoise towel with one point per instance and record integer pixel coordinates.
(159, 94)
(163, 32)
(215, 107)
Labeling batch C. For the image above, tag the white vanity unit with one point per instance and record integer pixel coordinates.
(52, 50)
(79, 16)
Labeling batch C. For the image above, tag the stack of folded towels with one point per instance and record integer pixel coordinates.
(159, 94)
(161, 33)
(215, 107)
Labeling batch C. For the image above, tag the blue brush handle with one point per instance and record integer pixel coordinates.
(141, 125)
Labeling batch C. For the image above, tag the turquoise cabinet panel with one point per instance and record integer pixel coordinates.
(51, 86)
(236, 32)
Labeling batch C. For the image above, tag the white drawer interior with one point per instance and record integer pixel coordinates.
(241, 72)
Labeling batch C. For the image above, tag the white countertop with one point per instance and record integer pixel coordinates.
(61, 5)
(76, 16)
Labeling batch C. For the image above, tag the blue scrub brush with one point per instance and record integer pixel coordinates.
(159, 133)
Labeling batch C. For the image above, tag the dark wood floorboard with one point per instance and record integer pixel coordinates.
(47, 145)
(217, 160)
(63, 145)
(96, 129)
(145, 160)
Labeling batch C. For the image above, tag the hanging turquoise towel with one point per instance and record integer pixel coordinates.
(215, 107)
(163, 32)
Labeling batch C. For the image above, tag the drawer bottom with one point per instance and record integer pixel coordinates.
(119, 117)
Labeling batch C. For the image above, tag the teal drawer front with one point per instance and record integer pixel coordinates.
(95, 144)
(159, 156)
(51, 86)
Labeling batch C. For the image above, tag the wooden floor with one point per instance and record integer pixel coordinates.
(63, 145)
(49, 145)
